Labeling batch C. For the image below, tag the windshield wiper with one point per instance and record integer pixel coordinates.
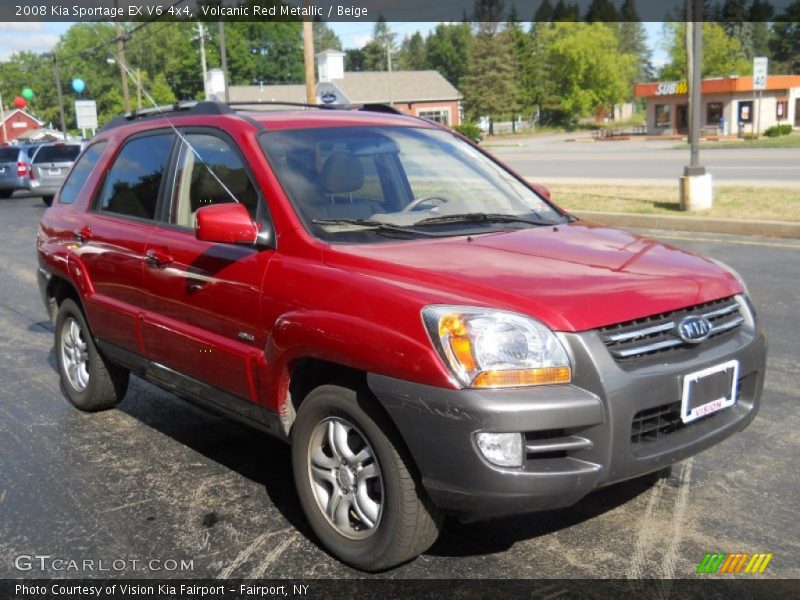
(479, 217)
(376, 225)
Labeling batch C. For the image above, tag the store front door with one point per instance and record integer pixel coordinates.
(682, 121)
(797, 112)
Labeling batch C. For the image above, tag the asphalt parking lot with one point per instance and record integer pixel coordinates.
(158, 479)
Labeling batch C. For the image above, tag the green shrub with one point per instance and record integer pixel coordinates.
(470, 130)
(777, 130)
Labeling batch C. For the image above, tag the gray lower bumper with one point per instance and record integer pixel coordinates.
(438, 425)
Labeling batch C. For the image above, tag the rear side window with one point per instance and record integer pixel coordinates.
(80, 173)
(58, 153)
(8, 154)
(210, 171)
(134, 180)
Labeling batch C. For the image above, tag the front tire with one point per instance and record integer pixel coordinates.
(356, 484)
(48, 200)
(91, 381)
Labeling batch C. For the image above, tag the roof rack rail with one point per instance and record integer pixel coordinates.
(210, 107)
(191, 107)
(367, 107)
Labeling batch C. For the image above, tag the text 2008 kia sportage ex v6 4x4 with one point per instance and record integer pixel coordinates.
(428, 332)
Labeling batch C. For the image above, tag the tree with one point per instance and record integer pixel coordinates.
(735, 22)
(376, 51)
(448, 49)
(354, 59)
(566, 12)
(722, 55)
(785, 44)
(602, 10)
(525, 71)
(325, 38)
(633, 40)
(275, 48)
(544, 13)
(761, 12)
(587, 68)
(489, 85)
(411, 56)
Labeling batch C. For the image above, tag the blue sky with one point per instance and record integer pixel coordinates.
(40, 37)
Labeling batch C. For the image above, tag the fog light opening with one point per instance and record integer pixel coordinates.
(501, 449)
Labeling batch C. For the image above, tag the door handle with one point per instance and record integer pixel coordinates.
(157, 259)
(84, 235)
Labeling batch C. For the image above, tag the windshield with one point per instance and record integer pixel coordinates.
(368, 183)
(57, 153)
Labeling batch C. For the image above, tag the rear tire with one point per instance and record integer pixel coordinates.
(48, 200)
(91, 381)
(6, 193)
(344, 447)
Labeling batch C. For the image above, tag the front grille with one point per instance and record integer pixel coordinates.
(656, 334)
(654, 423)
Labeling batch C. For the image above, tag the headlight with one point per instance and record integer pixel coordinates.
(732, 271)
(492, 348)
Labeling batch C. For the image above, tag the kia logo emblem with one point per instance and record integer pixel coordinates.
(693, 330)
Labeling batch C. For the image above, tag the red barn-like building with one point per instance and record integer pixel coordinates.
(16, 123)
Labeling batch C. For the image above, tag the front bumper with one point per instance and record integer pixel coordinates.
(578, 436)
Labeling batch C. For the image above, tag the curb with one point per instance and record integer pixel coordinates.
(730, 226)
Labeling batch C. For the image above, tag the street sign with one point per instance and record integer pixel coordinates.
(86, 114)
(760, 73)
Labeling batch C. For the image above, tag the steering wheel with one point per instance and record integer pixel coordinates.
(419, 201)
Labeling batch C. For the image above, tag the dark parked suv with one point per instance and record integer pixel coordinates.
(15, 166)
(428, 332)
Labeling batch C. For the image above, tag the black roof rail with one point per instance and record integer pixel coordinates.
(209, 107)
(192, 107)
(367, 107)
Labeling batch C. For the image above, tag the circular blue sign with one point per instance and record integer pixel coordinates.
(78, 85)
(328, 98)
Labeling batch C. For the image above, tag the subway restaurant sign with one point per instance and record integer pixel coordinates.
(671, 88)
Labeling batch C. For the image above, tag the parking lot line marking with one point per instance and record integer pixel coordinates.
(673, 544)
(108, 510)
(645, 533)
(253, 547)
(271, 557)
(724, 241)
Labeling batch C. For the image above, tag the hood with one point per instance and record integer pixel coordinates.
(572, 277)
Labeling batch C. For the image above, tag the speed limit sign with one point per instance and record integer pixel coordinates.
(760, 73)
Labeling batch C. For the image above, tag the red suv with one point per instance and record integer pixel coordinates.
(428, 332)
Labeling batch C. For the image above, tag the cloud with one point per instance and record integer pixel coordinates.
(22, 27)
(359, 41)
(34, 36)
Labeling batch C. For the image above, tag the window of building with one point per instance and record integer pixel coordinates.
(663, 115)
(713, 113)
(133, 182)
(746, 111)
(782, 110)
(80, 173)
(441, 115)
(218, 176)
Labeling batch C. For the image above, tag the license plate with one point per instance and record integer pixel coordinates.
(55, 171)
(709, 390)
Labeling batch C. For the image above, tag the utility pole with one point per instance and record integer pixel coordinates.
(389, 64)
(308, 58)
(201, 34)
(3, 120)
(223, 53)
(60, 94)
(126, 98)
(696, 185)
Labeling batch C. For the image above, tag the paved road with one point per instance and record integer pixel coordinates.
(160, 479)
(566, 157)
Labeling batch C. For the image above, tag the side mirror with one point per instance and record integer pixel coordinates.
(228, 223)
(542, 190)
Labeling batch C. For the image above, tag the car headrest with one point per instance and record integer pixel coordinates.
(342, 173)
